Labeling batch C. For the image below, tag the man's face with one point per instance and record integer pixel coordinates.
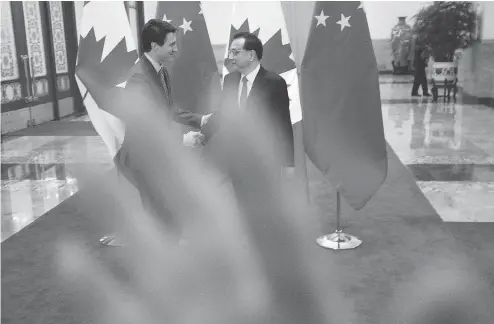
(166, 53)
(240, 58)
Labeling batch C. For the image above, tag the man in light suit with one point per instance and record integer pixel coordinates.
(150, 91)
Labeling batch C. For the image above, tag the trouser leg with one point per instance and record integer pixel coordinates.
(154, 204)
(423, 82)
(416, 83)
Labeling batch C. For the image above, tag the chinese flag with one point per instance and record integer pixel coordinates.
(195, 78)
(342, 119)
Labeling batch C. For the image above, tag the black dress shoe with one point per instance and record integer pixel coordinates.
(415, 95)
(427, 95)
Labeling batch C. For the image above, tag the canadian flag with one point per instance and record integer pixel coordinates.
(266, 20)
(106, 53)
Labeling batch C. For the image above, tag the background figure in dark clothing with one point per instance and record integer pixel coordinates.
(420, 78)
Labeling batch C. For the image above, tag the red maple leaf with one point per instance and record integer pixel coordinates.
(276, 56)
(97, 76)
(243, 28)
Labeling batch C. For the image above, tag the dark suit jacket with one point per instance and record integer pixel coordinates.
(420, 62)
(146, 102)
(267, 108)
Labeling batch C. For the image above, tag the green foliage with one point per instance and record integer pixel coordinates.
(446, 26)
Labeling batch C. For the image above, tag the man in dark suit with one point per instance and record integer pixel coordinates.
(420, 77)
(250, 140)
(257, 101)
(149, 114)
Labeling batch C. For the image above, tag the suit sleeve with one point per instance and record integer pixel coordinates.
(285, 133)
(137, 94)
(214, 122)
(186, 117)
(139, 85)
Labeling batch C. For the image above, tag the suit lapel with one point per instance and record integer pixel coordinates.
(257, 87)
(149, 69)
(254, 94)
(230, 90)
(235, 85)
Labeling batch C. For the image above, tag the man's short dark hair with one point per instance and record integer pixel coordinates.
(252, 43)
(155, 30)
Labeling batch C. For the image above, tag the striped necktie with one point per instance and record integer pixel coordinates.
(165, 82)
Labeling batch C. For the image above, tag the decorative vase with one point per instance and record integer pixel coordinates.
(401, 46)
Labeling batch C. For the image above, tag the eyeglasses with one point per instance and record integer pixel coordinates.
(235, 52)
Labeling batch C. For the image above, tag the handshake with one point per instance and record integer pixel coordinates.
(193, 139)
(196, 138)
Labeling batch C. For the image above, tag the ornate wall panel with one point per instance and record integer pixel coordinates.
(11, 92)
(58, 34)
(41, 87)
(10, 68)
(34, 36)
(63, 83)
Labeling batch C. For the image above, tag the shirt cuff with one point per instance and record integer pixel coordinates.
(203, 120)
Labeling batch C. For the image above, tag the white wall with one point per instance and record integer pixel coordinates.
(381, 15)
(78, 6)
(488, 22)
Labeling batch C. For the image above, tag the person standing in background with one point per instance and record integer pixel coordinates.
(420, 77)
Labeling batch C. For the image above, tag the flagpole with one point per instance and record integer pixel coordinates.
(300, 159)
(298, 31)
(300, 148)
(338, 240)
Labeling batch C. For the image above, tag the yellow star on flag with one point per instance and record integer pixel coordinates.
(186, 26)
(344, 22)
(321, 19)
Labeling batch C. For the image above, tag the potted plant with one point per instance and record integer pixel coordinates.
(444, 27)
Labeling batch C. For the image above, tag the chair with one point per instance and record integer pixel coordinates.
(447, 85)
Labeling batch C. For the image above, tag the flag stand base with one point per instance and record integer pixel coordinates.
(338, 240)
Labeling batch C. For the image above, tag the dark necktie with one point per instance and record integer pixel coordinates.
(243, 93)
(165, 82)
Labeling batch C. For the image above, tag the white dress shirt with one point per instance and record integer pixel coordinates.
(250, 81)
(155, 64)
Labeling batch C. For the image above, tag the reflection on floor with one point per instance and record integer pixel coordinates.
(449, 147)
(463, 201)
(40, 172)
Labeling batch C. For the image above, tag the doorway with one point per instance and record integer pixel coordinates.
(39, 51)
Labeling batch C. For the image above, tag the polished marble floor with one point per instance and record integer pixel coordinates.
(40, 172)
(449, 147)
